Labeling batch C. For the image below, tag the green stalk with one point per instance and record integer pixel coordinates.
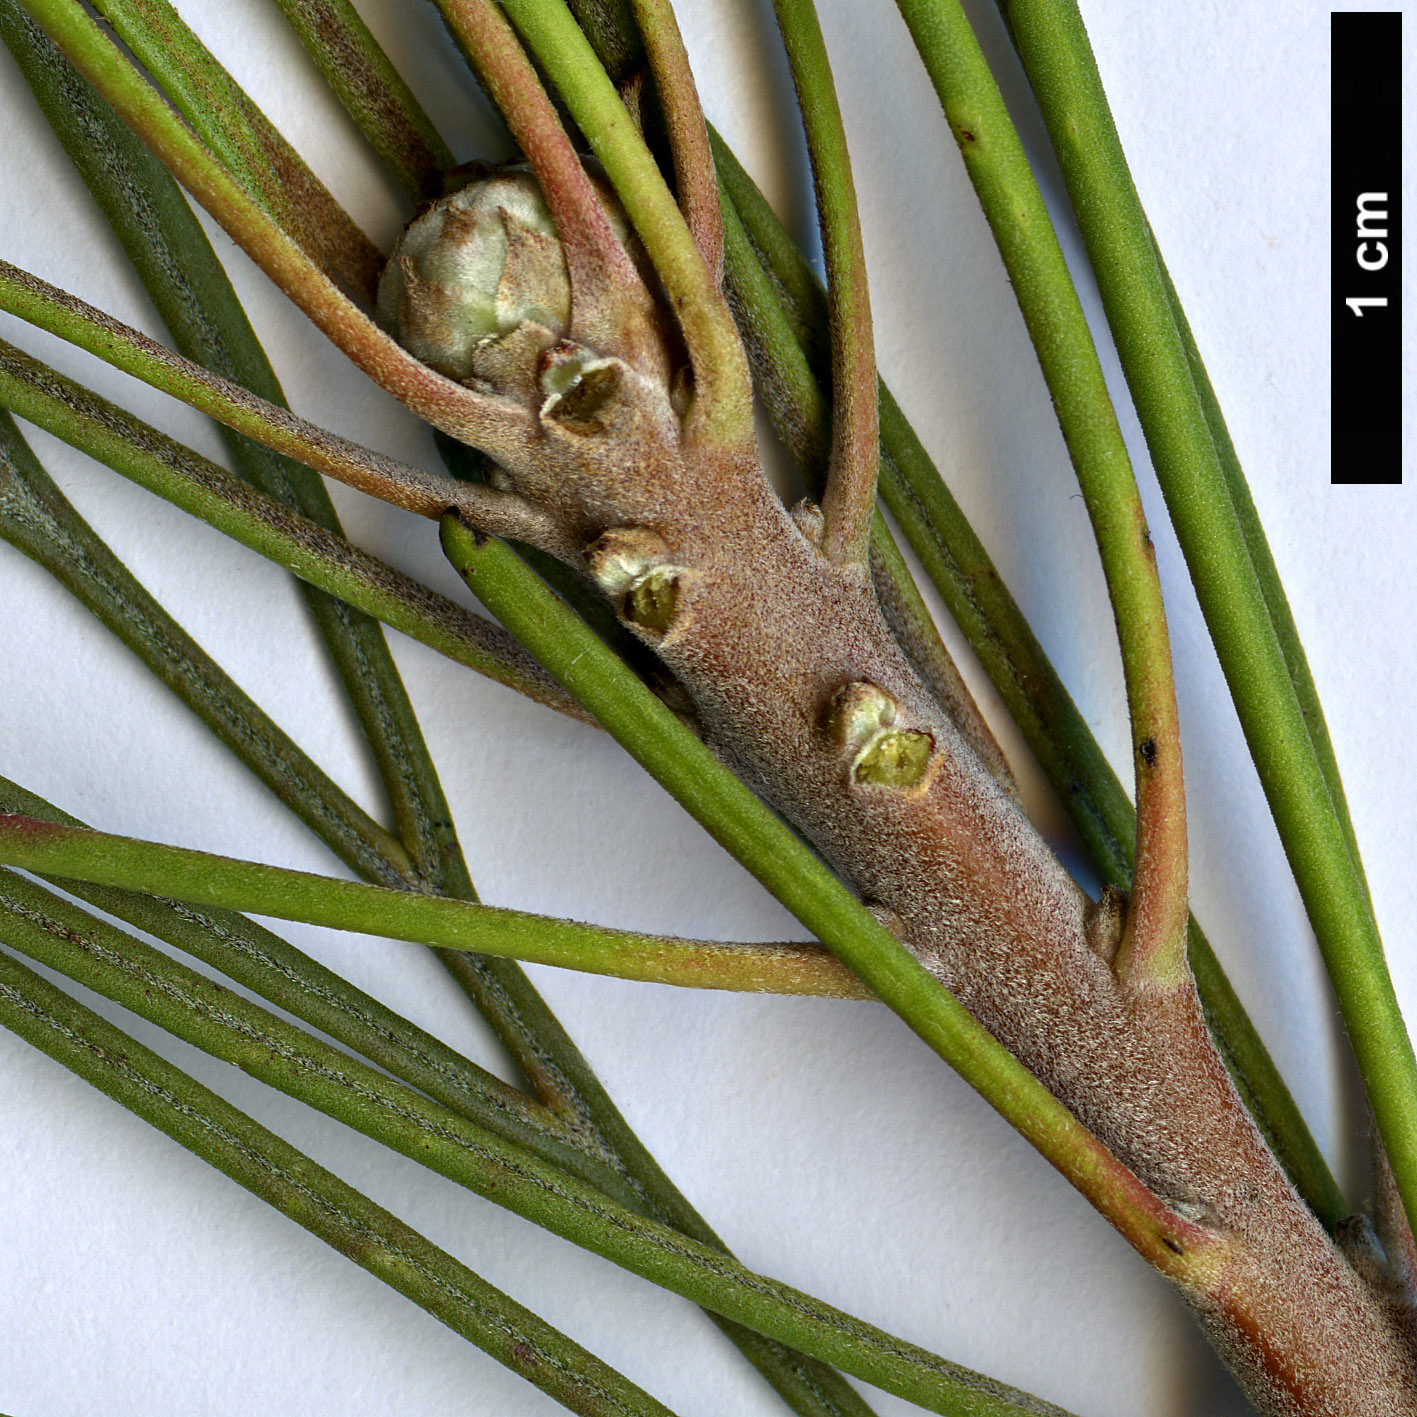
(996, 630)
(36, 518)
(1302, 794)
(398, 483)
(849, 497)
(272, 1169)
(564, 1080)
(281, 974)
(373, 93)
(204, 490)
(275, 1052)
(221, 882)
(790, 871)
(1267, 573)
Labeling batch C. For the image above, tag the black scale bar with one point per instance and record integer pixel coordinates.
(1367, 250)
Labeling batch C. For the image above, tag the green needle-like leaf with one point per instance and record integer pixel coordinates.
(336, 1213)
(201, 488)
(849, 496)
(444, 921)
(211, 1018)
(187, 284)
(172, 256)
(36, 517)
(372, 91)
(285, 976)
(722, 408)
(1255, 651)
(244, 140)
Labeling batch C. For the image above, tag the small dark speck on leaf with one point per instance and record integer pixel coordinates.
(1147, 749)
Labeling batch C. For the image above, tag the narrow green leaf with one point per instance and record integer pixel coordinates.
(1154, 940)
(849, 497)
(36, 518)
(285, 976)
(373, 93)
(1266, 572)
(722, 407)
(272, 1169)
(187, 284)
(400, 914)
(493, 423)
(677, 100)
(173, 257)
(244, 140)
(201, 488)
(1301, 791)
(228, 1027)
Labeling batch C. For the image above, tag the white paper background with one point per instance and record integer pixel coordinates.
(825, 1144)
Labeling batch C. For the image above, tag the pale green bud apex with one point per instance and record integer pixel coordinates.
(476, 266)
(862, 719)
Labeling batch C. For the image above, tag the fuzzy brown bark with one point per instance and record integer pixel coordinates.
(800, 686)
(767, 637)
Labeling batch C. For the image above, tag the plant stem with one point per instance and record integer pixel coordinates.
(373, 93)
(1053, 45)
(284, 1178)
(849, 499)
(275, 1052)
(996, 630)
(799, 413)
(218, 497)
(790, 870)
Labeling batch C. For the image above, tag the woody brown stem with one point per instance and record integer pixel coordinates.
(927, 834)
(800, 687)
